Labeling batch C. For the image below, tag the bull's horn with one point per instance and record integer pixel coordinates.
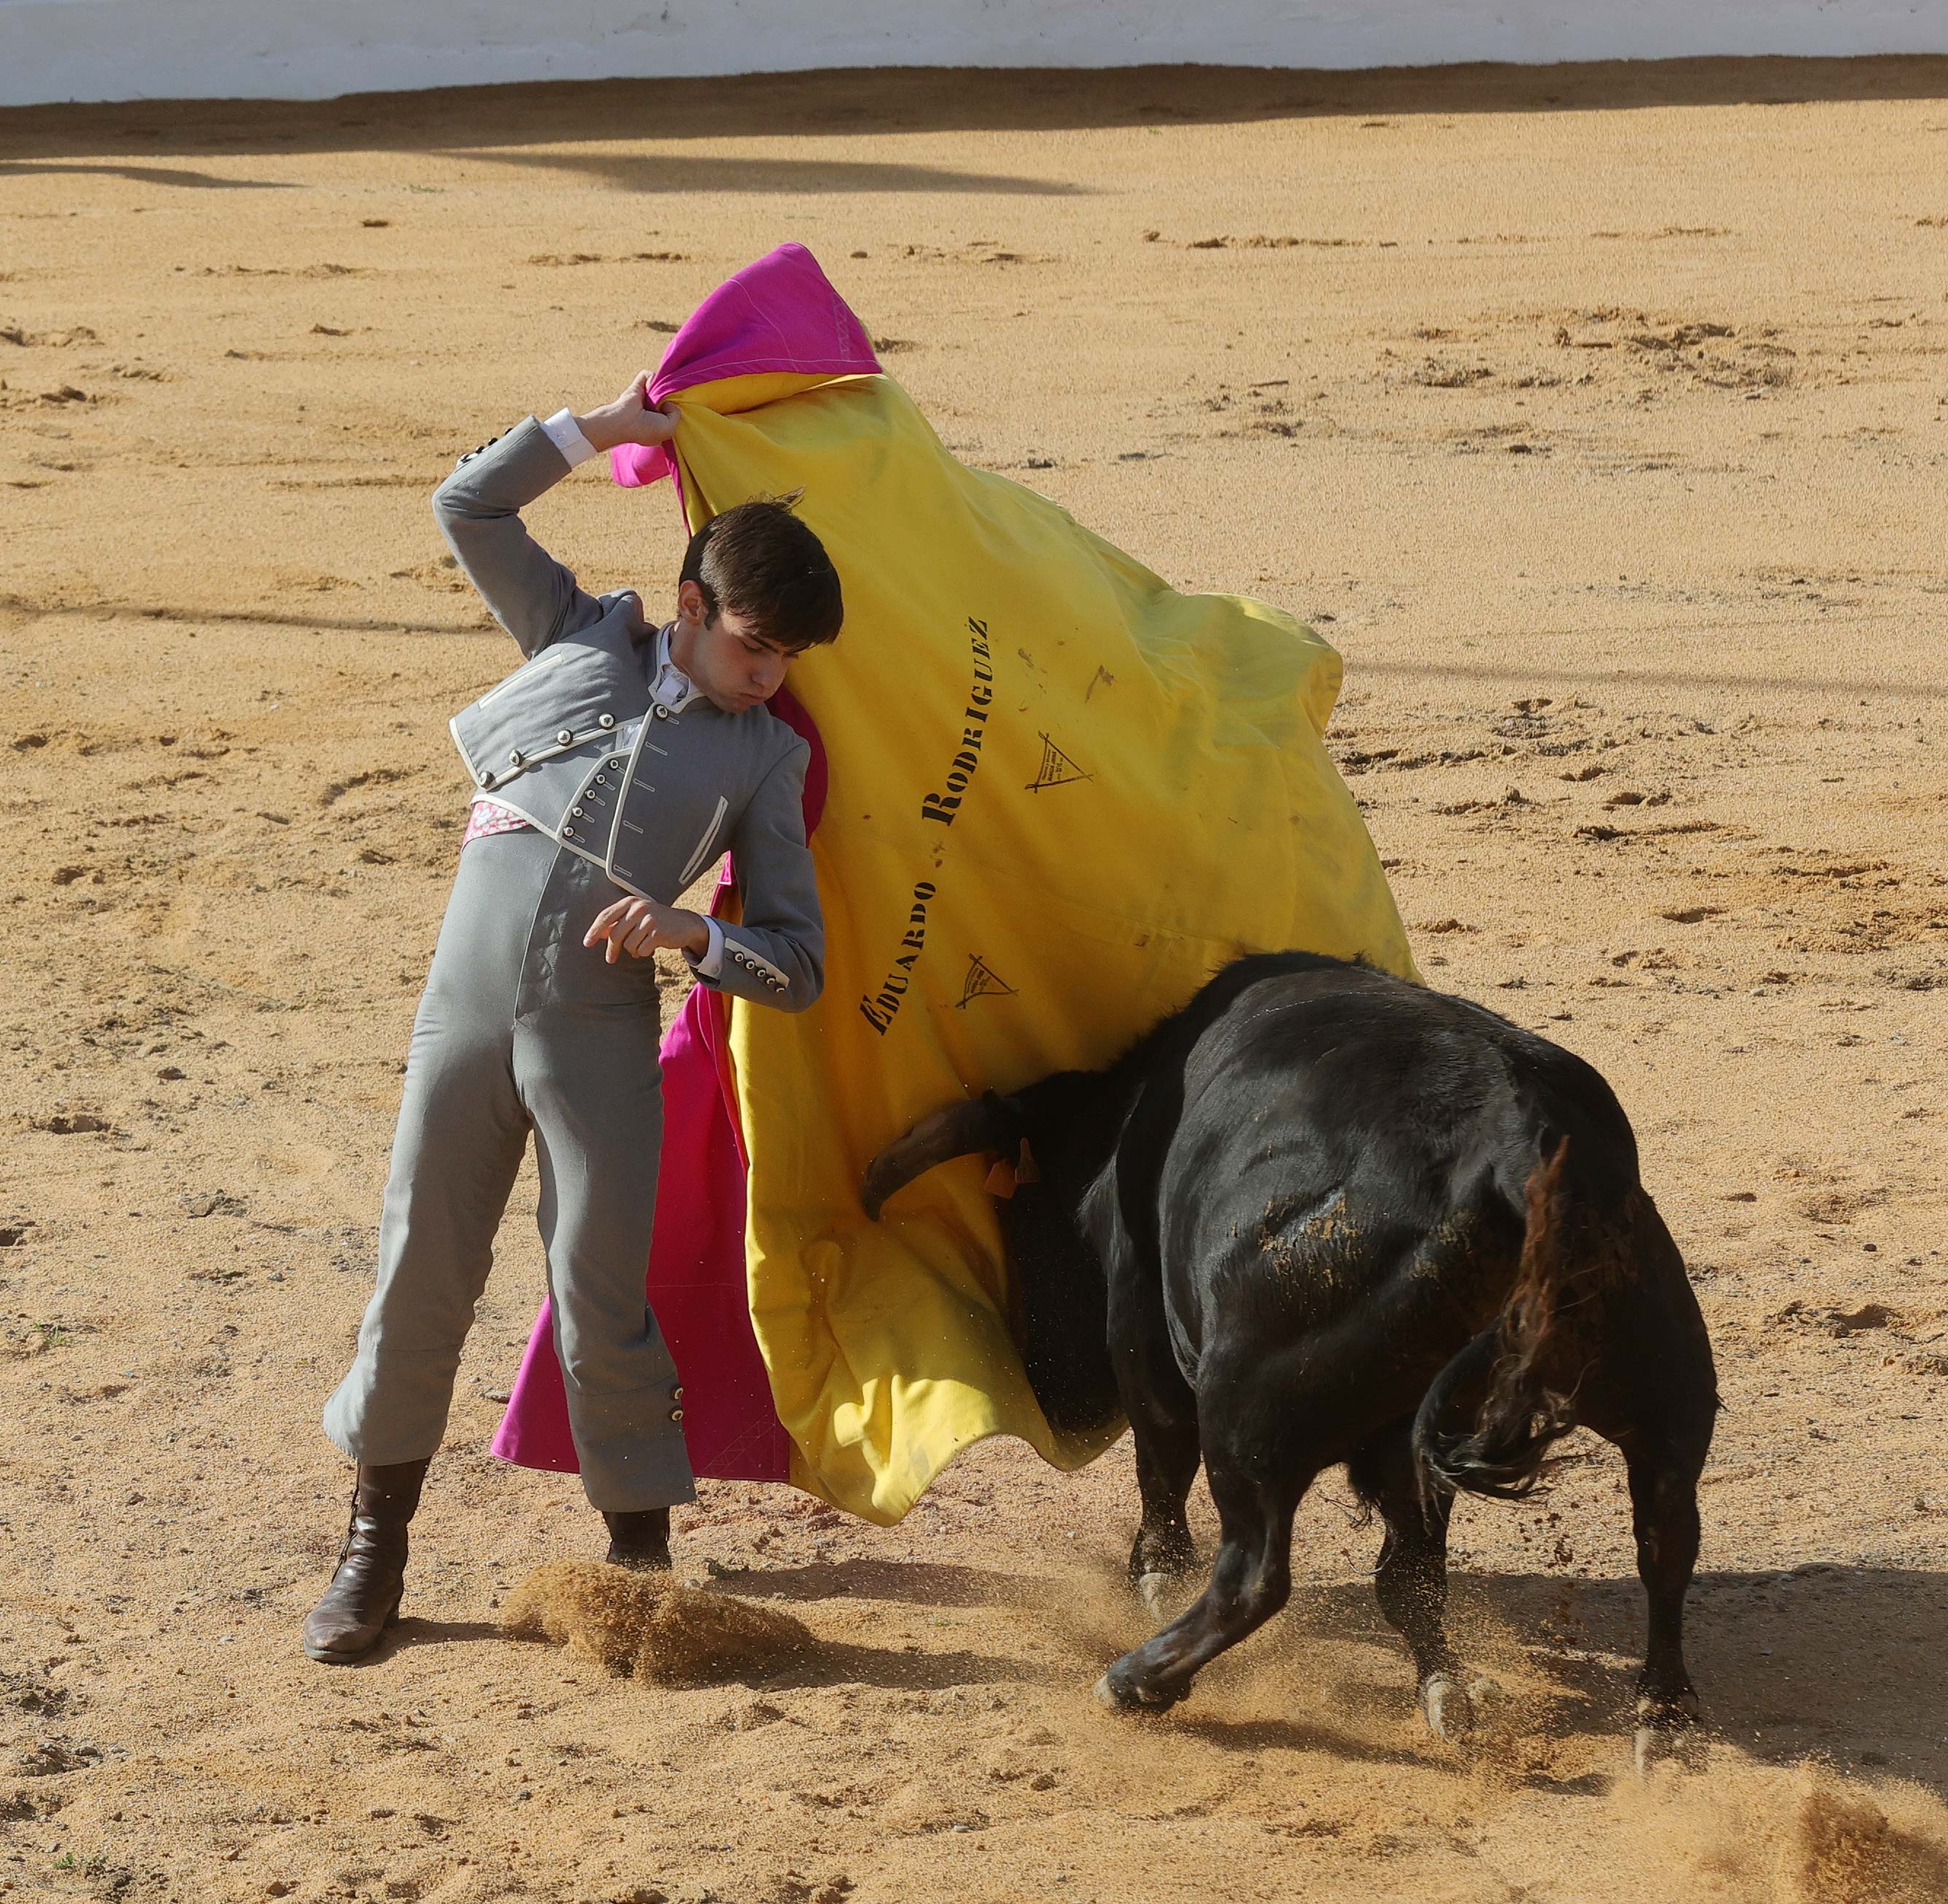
(955, 1132)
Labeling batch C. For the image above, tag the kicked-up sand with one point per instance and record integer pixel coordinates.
(1600, 415)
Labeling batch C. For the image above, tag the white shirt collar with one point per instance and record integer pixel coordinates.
(671, 688)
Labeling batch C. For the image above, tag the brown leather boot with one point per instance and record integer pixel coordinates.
(363, 1599)
(640, 1541)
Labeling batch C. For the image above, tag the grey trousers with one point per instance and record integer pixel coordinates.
(522, 1028)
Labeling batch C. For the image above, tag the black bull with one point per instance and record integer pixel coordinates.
(1323, 1215)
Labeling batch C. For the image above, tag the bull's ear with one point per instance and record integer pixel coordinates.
(959, 1130)
(1008, 1176)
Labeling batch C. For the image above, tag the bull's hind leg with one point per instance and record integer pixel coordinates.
(1664, 1508)
(1411, 1583)
(1655, 1395)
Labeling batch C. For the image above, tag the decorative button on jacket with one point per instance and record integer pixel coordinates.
(660, 799)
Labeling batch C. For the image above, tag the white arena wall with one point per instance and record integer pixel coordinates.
(53, 49)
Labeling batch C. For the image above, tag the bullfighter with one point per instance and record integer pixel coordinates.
(621, 760)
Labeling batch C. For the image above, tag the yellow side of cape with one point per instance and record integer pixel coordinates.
(1061, 796)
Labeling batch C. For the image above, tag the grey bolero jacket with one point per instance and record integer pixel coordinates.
(573, 742)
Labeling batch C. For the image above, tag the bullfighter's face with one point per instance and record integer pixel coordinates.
(736, 668)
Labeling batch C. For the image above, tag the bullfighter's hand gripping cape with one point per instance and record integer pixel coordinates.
(1057, 796)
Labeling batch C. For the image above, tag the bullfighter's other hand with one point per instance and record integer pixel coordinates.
(639, 926)
(631, 418)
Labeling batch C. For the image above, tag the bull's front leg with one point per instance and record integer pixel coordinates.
(1250, 1582)
(1162, 1554)
(1162, 1409)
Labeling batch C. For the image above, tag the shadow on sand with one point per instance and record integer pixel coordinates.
(1846, 1663)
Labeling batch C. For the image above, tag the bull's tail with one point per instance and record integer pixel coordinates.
(1503, 1453)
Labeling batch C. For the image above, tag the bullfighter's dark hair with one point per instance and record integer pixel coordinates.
(769, 568)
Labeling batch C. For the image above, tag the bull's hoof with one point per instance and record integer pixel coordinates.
(1117, 1691)
(1668, 1732)
(1159, 1593)
(1447, 1707)
(1681, 1746)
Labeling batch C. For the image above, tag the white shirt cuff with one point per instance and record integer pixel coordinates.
(565, 433)
(710, 965)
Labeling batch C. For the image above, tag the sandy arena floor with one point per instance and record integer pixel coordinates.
(1600, 416)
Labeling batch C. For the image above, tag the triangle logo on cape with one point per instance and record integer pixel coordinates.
(981, 981)
(1056, 768)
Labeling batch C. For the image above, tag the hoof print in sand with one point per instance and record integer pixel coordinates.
(650, 1628)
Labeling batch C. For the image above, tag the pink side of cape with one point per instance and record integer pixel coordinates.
(780, 314)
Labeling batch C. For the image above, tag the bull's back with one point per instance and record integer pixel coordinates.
(1353, 1143)
(1386, 1075)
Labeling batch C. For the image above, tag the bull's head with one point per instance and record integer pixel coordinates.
(1059, 1300)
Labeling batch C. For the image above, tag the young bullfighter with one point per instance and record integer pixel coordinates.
(609, 771)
